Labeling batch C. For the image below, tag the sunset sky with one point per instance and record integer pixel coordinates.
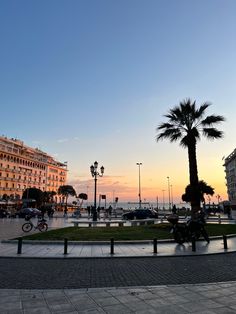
(88, 80)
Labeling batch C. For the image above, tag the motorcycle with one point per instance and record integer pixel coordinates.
(192, 229)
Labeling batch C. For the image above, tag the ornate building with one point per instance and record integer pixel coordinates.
(23, 167)
(230, 171)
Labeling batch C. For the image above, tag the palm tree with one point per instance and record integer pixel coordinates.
(187, 123)
(66, 190)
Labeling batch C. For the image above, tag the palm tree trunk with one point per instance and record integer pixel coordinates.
(193, 177)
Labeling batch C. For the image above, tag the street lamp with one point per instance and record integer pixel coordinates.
(139, 193)
(163, 191)
(168, 179)
(95, 174)
(171, 193)
(218, 198)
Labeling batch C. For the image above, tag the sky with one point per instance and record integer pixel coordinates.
(90, 80)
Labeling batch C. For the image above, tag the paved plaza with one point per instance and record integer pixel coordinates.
(133, 280)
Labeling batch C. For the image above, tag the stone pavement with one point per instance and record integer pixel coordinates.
(199, 299)
(157, 285)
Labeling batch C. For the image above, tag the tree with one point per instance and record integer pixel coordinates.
(203, 188)
(186, 124)
(66, 190)
(83, 197)
(35, 194)
(48, 196)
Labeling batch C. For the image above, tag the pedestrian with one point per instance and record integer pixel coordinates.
(98, 211)
(89, 211)
(174, 209)
(65, 212)
(109, 211)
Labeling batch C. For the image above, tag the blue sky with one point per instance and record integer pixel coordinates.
(90, 80)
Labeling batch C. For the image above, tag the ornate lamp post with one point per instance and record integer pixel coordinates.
(139, 185)
(95, 174)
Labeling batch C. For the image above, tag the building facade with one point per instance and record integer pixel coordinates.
(23, 167)
(230, 176)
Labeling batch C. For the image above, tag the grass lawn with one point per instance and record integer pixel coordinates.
(160, 231)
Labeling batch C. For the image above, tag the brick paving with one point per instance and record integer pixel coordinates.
(55, 273)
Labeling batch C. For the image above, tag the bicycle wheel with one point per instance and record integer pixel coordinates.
(42, 226)
(27, 227)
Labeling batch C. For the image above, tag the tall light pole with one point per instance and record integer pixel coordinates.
(139, 189)
(163, 191)
(171, 193)
(168, 180)
(218, 198)
(95, 174)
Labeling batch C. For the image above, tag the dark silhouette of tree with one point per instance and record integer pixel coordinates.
(35, 194)
(66, 190)
(203, 188)
(48, 196)
(186, 124)
(83, 197)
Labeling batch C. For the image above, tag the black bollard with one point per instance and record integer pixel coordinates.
(225, 242)
(155, 245)
(193, 244)
(65, 245)
(112, 246)
(19, 248)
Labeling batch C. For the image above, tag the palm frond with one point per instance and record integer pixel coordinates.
(212, 119)
(171, 134)
(184, 142)
(199, 112)
(164, 126)
(212, 133)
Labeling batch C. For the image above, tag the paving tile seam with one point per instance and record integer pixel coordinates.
(135, 287)
(113, 256)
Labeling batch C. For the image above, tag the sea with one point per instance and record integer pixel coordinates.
(134, 205)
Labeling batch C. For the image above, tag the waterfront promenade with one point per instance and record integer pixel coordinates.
(136, 281)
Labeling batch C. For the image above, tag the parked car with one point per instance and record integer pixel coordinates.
(140, 214)
(33, 212)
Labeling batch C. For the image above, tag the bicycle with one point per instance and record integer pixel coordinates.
(28, 226)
